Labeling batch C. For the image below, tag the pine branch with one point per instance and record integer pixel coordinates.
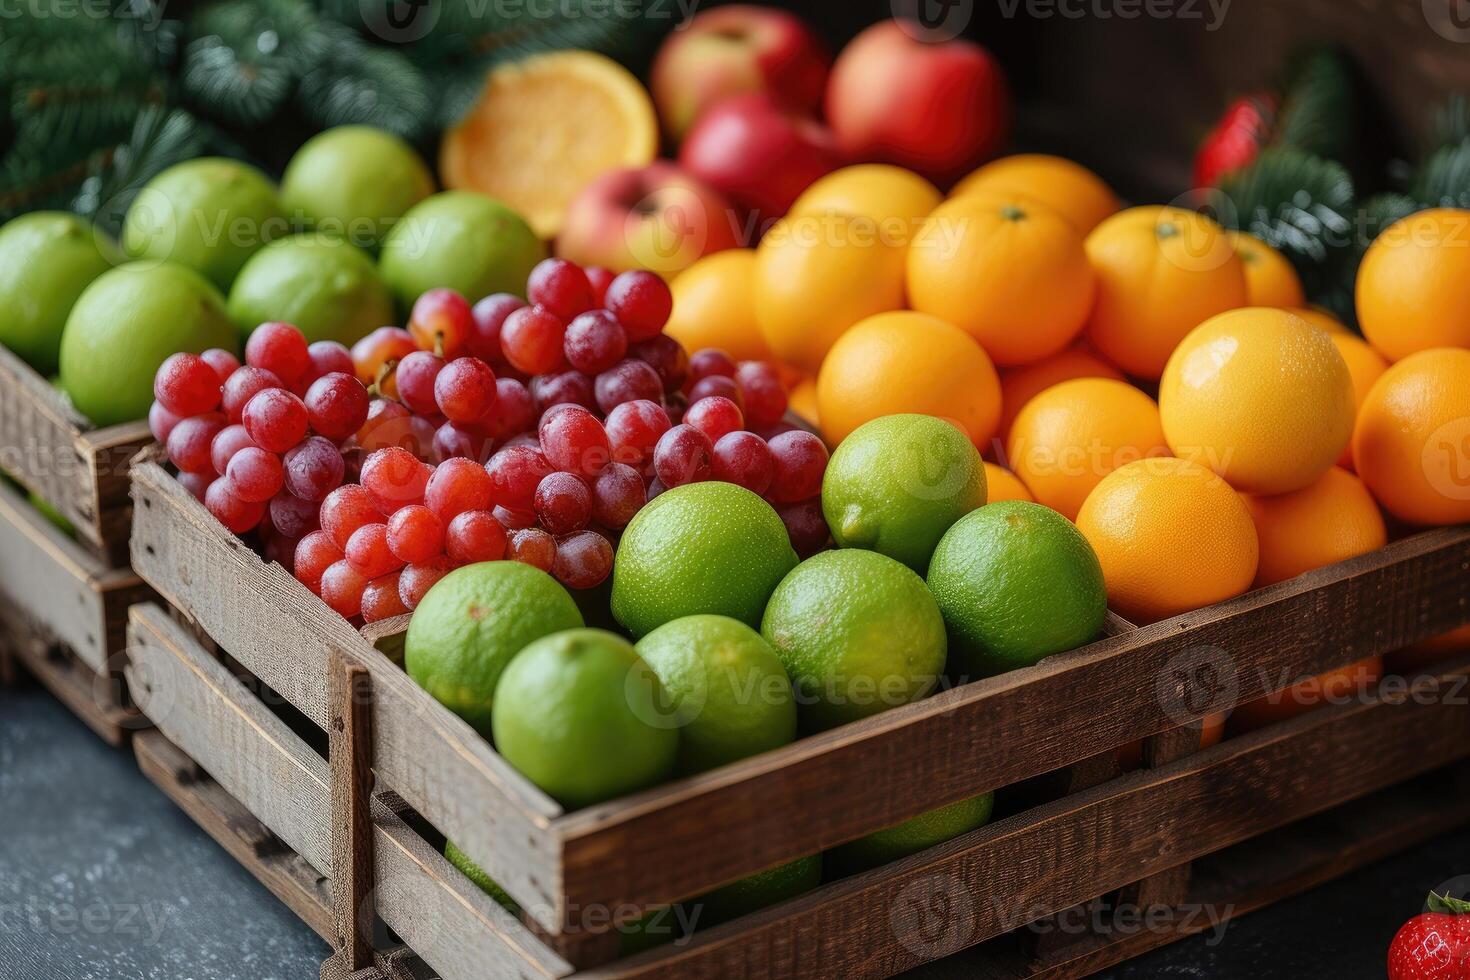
(1318, 111)
(160, 139)
(1444, 179)
(351, 81)
(244, 58)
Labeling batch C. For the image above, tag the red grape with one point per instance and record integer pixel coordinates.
(626, 381)
(515, 409)
(186, 384)
(563, 503)
(196, 483)
(655, 487)
(416, 580)
(255, 475)
(336, 405)
(415, 534)
(574, 441)
(415, 378)
(375, 356)
(717, 385)
(515, 472)
(710, 362)
(161, 421)
(770, 432)
(234, 513)
(617, 495)
(368, 552)
(381, 599)
(314, 469)
(562, 388)
(458, 485)
(667, 358)
(342, 588)
(275, 419)
(292, 516)
(395, 478)
(488, 317)
(561, 287)
(532, 340)
(190, 441)
(762, 394)
(514, 520)
(743, 458)
(465, 390)
(800, 460)
(314, 553)
(715, 417)
(280, 349)
(532, 546)
(641, 301)
(224, 362)
(805, 526)
(386, 425)
(329, 357)
(441, 322)
(594, 342)
(453, 440)
(634, 428)
(244, 385)
(582, 560)
(474, 536)
(346, 509)
(683, 455)
(599, 279)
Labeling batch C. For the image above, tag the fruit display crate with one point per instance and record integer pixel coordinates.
(1065, 715)
(63, 618)
(54, 452)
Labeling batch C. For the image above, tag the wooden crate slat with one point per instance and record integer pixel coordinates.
(653, 847)
(58, 584)
(282, 633)
(97, 699)
(1082, 846)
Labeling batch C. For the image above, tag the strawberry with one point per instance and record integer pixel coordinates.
(1434, 945)
(1236, 139)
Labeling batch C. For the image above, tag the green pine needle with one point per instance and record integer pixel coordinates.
(1318, 111)
(1444, 179)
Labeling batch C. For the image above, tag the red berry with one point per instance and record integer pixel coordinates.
(441, 322)
(743, 458)
(386, 425)
(474, 536)
(229, 509)
(314, 553)
(395, 478)
(626, 381)
(665, 355)
(367, 550)
(415, 534)
(634, 428)
(292, 516)
(275, 419)
(710, 362)
(583, 560)
(599, 278)
(342, 588)
(186, 384)
(800, 460)
(190, 442)
(574, 441)
(561, 287)
(280, 349)
(617, 495)
(563, 503)
(346, 509)
(488, 317)
(562, 388)
(255, 475)
(532, 340)
(458, 485)
(381, 599)
(514, 520)
(227, 442)
(336, 405)
(328, 357)
(375, 356)
(683, 455)
(244, 385)
(515, 473)
(805, 526)
(314, 468)
(762, 394)
(415, 581)
(161, 421)
(224, 362)
(641, 301)
(594, 342)
(532, 546)
(715, 416)
(717, 386)
(452, 440)
(196, 483)
(415, 377)
(465, 390)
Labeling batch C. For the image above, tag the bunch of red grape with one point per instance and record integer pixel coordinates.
(531, 431)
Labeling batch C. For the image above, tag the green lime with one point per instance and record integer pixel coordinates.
(326, 287)
(354, 182)
(46, 259)
(898, 482)
(463, 240)
(1016, 582)
(209, 214)
(477, 874)
(914, 835)
(858, 633)
(122, 328)
(759, 890)
(581, 716)
(700, 548)
(472, 622)
(730, 695)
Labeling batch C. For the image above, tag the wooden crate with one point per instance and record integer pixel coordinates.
(80, 470)
(678, 840)
(63, 617)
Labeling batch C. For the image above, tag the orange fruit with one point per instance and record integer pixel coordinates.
(1073, 434)
(1411, 290)
(1365, 366)
(1171, 537)
(714, 306)
(802, 399)
(1328, 521)
(544, 127)
(1320, 318)
(901, 362)
(1019, 385)
(1270, 278)
(1411, 444)
(895, 198)
(1080, 195)
(1002, 484)
(1261, 397)
(1332, 687)
(817, 275)
(1161, 272)
(1011, 271)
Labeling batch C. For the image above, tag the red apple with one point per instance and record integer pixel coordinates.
(655, 217)
(939, 108)
(733, 50)
(758, 154)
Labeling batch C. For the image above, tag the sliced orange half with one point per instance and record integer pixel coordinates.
(544, 127)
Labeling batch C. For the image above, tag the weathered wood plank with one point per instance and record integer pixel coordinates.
(350, 742)
(97, 699)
